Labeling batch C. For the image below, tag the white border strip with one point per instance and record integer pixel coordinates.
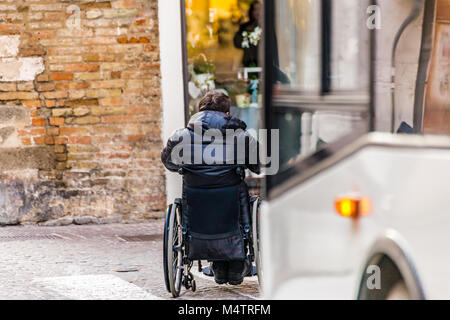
(172, 88)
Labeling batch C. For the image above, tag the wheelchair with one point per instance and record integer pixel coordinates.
(194, 232)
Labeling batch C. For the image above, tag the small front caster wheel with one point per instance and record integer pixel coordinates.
(193, 286)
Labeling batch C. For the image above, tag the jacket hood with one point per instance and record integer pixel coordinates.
(215, 120)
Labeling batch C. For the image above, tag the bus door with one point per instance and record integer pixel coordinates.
(317, 81)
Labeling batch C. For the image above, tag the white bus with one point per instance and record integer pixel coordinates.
(360, 208)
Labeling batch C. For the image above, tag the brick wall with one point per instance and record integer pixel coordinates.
(79, 111)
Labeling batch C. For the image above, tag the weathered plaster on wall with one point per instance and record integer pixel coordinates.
(393, 13)
(17, 69)
(11, 119)
(20, 69)
(9, 46)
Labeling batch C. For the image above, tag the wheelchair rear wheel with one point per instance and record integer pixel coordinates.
(165, 242)
(174, 251)
(255, 236)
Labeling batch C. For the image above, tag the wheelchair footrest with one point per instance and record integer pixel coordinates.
(208, 272)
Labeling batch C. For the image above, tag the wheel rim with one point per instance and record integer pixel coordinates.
(175, 256)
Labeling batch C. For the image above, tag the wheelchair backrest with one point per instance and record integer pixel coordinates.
(212, 211)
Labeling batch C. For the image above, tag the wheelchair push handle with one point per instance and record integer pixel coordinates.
(240, 171)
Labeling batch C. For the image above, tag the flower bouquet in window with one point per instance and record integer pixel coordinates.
(202, 77)
(239, 90)
(251, 38)
(243, 100)
(248, 93)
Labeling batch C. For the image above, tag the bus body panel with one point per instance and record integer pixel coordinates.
(309, 251)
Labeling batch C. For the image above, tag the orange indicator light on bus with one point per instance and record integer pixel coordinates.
(352, 207)
(365, 207)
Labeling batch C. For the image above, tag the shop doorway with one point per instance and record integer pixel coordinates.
(222, 39)
(437, 103)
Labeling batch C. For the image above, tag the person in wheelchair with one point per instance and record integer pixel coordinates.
(209, 159)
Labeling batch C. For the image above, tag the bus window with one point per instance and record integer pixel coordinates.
(322, 39)
(349, 61)
(318, 67)
(304, 132)
(297, 25)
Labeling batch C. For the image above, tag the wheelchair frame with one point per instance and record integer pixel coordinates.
(177, 266)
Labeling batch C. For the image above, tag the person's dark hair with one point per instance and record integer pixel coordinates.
(251, 9)
(215, 101)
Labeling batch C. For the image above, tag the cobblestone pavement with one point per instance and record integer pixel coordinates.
(95, 262)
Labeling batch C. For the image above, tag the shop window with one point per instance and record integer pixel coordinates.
(222, 43)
